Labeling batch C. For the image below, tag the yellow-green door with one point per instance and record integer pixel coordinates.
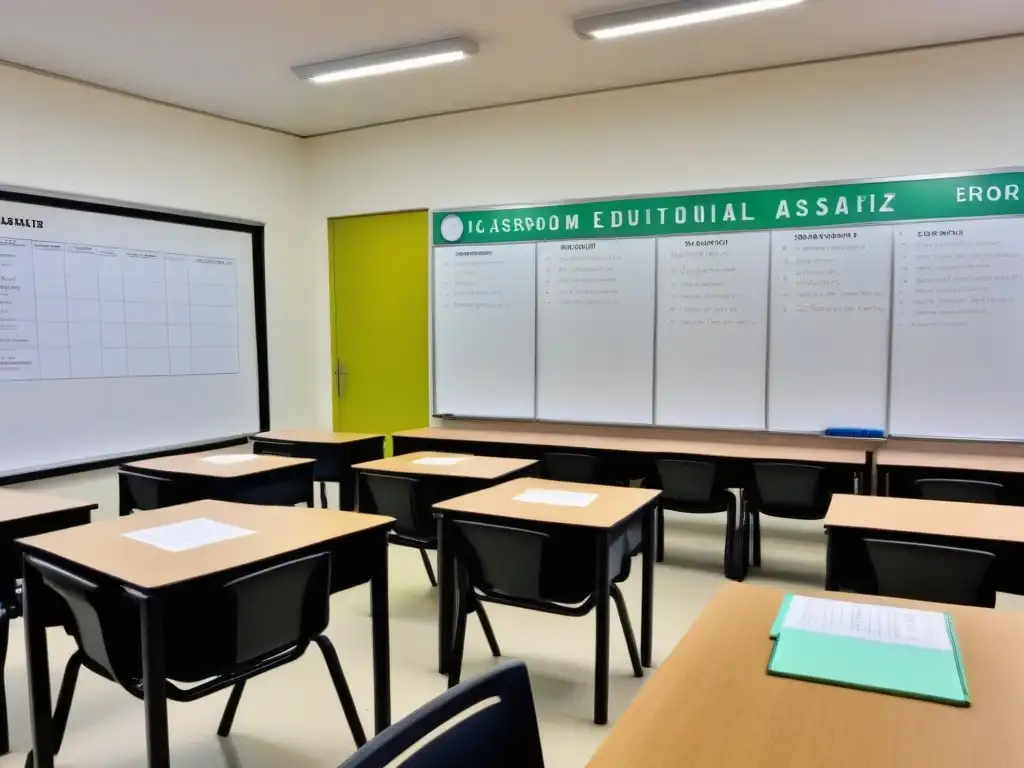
(379, 333)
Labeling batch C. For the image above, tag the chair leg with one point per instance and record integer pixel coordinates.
(228, 718)
(661, 534)
(5, 738)
(430, 569)
(62, 711)
(756, 525)
(485, 624)
(627, 630)
(458, 642)
(348, 704)
(323, 495)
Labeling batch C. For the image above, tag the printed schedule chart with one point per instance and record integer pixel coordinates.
(71, 311)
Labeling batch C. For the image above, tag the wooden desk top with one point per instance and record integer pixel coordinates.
(474, 467)
(711, 704)
(739, 445)
(102, 546)
(939, 518)
(612, 505)
(995, 457)
(315, 436)
(17, 505)
(195, 464)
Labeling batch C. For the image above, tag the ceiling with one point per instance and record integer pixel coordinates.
(232, 58)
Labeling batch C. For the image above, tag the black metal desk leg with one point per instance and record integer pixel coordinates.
(445, 601)
(381, 637)
(154, 681)
(323, 495)
(603, 590)
(5, 633)
(830, 556)
(38, 667)
(647, 597)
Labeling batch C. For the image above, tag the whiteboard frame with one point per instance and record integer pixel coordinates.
(705, 191)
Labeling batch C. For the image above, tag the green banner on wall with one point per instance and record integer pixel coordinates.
(876, 202)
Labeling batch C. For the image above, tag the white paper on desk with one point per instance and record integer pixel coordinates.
(557, 498)
(231, 458)
(188, 534)
(880, 623)
(440, 461)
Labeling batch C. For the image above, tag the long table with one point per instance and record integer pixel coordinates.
(712, 704)
(901, 462)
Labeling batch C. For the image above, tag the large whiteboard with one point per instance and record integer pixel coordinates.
(712, 331)
(595, 331)
(484, 330)
(829, 341)
(121, 334)
(958, 338)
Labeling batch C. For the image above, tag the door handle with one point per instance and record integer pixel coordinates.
(339, 371)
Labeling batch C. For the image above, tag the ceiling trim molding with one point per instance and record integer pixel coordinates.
(138, 97)
(501, 105)
(652, 83)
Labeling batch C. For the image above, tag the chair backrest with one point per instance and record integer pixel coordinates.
(399, 497)
(501, 734)
(141, 491)
(229, 626)
(933, 573)
(527, 566)
(797, 491)
(691, 483)
(954, 489)
(571, 467)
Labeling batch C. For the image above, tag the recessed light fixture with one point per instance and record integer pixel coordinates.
(385, 62)
(683, 13)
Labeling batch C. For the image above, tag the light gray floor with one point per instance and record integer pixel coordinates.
(291, 718)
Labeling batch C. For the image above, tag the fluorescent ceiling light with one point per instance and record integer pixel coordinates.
(672, 16)
(385, 62)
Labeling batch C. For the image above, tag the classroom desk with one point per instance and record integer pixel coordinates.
(901, 462)
(155, 578)
(334, 453)
(711, 704)
(851, 519)
(636, 455)
(261, 479)
(25, 514)
(606, 518)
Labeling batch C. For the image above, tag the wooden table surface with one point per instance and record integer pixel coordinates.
(739, 445)
(104, 548)
(195, 464)
(988, 457)
(998, 522)
(469, 466)
(316, 436)
(17, 505)
(711, 704)
(612, 505)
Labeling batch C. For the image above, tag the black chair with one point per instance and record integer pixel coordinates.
(953, 489)
(793, 491)
(933, 573)
(691, 486)
(142, 491)
(230, 633)
(503, 734)
(415, 526)
(533, 570)
(571, 467)
(290, 450)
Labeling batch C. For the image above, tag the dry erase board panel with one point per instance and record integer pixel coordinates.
(829, 345)
(712, 331)
(484, 331)
(958, 370)
(595, 331)
(794, 340)
(121, 335)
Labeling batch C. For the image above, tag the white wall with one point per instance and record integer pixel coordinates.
(945, 109)
(61, 137)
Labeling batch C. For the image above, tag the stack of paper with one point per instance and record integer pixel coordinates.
(882, 648)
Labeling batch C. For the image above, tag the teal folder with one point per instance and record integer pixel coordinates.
(902, 670)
